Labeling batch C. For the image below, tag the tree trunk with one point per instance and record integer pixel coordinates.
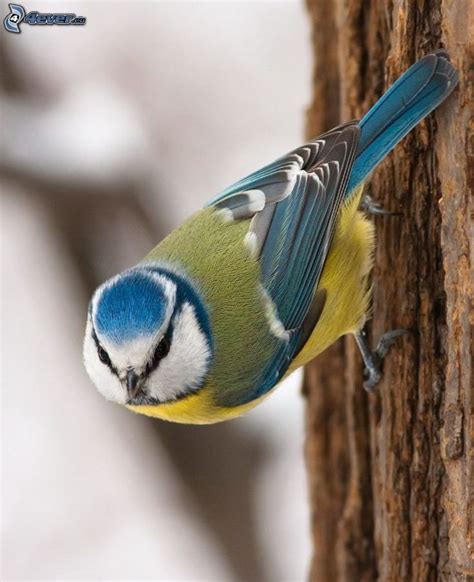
(391, 474)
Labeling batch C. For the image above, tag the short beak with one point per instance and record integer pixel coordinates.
(133, 385)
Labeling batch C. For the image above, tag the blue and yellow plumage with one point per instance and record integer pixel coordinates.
(268, 275)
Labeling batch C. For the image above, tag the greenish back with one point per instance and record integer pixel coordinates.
(211, 252)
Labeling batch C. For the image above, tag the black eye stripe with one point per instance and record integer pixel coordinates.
(102, 354)
(161, 351)
(162, 348)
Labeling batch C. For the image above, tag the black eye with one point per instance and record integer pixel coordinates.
(103, 356)
(162, 349)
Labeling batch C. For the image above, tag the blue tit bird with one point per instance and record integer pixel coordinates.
(262, 279)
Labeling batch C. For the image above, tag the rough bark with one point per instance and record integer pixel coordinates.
(391, 474)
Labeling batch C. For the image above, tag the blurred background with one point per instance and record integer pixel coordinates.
(112, 134)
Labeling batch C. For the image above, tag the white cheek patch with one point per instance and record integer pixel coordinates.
(104, 379)
(187, 362)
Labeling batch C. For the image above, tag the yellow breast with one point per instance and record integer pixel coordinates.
(198, 408)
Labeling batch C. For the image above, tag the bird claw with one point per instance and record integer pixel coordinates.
(369, 205)
(373, 360)
(372, 375)
(387, 339)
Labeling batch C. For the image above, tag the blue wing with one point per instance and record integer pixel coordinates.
(294, 203)
(413, 96)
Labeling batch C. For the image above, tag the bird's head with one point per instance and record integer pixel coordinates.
(148, 338)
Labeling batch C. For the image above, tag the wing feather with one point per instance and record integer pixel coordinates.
(293, 220)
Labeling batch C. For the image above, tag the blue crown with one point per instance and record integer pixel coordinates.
(133, 305)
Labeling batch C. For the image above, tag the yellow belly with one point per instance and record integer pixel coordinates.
(345, 278)
(198, 408)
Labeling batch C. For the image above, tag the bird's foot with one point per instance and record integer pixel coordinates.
(373, 359)
(369, 205)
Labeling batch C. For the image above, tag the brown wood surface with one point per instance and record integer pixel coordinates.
(391, 475)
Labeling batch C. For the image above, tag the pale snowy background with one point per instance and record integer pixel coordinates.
(112, 134)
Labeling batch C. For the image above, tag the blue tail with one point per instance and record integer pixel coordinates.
(415, 94)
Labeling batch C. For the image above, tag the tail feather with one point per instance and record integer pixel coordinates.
(411, 98)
